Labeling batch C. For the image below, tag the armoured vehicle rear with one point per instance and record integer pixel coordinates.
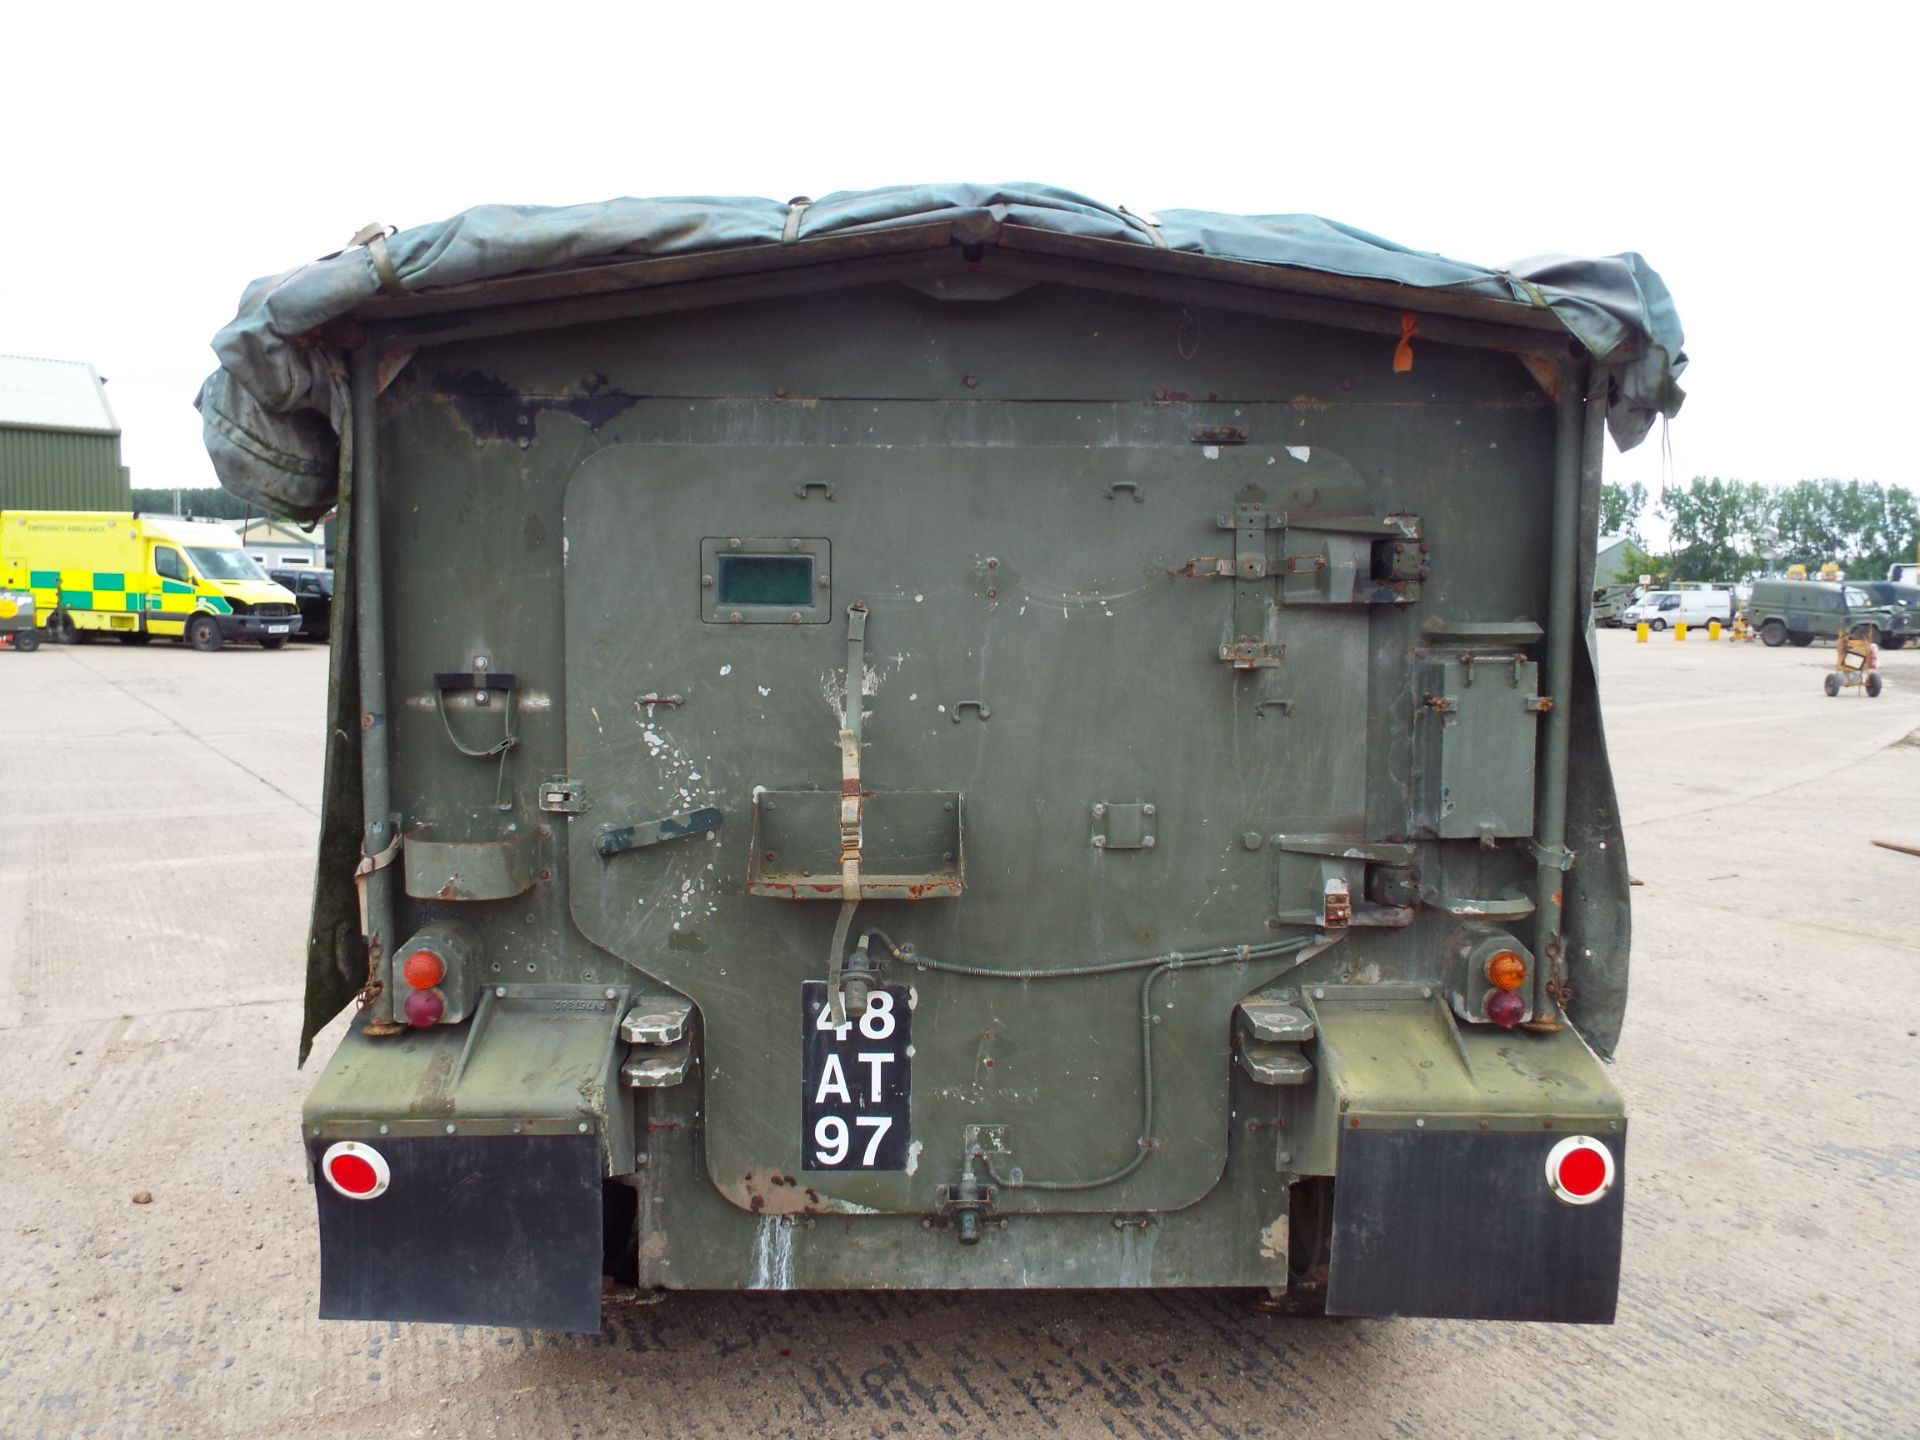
(957, 736)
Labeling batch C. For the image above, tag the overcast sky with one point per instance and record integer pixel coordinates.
(160, 159)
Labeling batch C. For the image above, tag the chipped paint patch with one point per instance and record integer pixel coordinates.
(1302, 453)
(1273, 1242)
(913, 1156)
(772, 1255)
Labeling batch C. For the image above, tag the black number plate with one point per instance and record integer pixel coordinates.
(855, 1102)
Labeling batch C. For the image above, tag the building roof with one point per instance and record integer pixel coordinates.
(53, 395)
(264, 530)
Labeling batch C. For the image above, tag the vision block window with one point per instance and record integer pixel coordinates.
(766, 580)
(756, 580)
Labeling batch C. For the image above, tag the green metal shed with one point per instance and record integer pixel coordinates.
(59, 441)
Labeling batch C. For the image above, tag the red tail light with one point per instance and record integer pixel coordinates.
(425, 1007)
(1505, 1009)
(356, 1171)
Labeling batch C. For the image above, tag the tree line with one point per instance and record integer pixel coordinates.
(1735, 529)
(206, 503)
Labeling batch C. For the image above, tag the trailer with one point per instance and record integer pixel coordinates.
(956, 736)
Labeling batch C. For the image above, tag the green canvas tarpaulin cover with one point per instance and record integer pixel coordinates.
(273, 411)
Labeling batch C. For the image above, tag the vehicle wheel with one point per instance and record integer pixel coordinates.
(1873, 685)
(1656, 625)
(203, 633)
(26, 641)
(1799, 641)
(1833, 683)
(1895, 642)
(272, 642)
(1773, 634)
(1869, 633)
(61, 629)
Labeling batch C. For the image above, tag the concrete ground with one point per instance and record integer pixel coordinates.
(157, 823)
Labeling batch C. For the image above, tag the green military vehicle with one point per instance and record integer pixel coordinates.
(1902, 604)
(959, 737)
(1798, 612)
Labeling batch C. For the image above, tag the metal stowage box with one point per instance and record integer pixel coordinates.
(956, 736)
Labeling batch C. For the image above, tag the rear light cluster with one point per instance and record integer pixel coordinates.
(1488, 973)
(1506, 971)
(423, 971)
(438, 974)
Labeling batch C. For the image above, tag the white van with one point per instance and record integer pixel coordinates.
(1659, 609)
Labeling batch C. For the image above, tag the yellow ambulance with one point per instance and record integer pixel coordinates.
(138, 576)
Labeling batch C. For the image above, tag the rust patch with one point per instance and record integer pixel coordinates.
(784, 1195)
(490, 409)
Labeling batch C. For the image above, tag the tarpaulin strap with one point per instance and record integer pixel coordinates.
(374, 237)
(852, 805)
(1149, 223)
(361, 872)
(796, 207)
(1403, 352)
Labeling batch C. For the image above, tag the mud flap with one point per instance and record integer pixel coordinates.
(470, 1230)
(1462, 1224)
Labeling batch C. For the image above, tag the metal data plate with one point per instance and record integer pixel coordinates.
(856, 1099)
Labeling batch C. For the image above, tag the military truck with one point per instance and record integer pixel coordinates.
(956, 736)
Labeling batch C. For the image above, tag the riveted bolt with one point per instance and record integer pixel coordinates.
(1098, 811)
(970, 381)
(733, 617)
(1426, 992)
(825, 581)
(1253, 840)
(733, 544)
(451, 1128)
(793, 544)
(706, 582)
(1147, 810)
(993, 562)
(1319, 992)
(793, 618)
(1099, 842)
(583, 1127)
(610, 992)
(779, 392)
(500, 991)
(1148, 842)
(383, 1129)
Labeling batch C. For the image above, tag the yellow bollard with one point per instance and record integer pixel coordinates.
(1713, 630)
(1679, 629)
(1640, 633)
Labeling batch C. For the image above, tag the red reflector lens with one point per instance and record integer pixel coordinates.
(353, 1175)
(1582, 1172)
(424, 969)
(354, 1170)
(1505, 1009)
(425, 1007)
